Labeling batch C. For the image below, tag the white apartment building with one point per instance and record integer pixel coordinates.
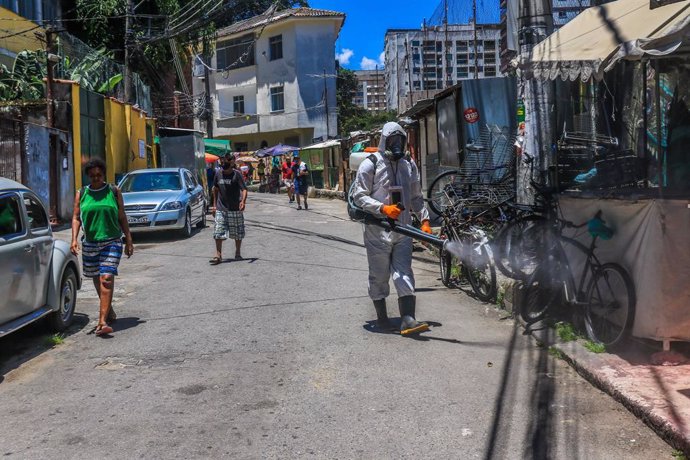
(371, 90)
(274, 79)
(434, 58)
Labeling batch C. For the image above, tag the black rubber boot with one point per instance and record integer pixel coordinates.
(382, 321)
(408, 323)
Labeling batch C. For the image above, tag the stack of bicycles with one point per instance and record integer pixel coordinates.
(469, 201)
(527, 243)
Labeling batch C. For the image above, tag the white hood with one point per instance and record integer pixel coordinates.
(388, 129)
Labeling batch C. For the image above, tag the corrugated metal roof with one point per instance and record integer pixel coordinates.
(271, 16)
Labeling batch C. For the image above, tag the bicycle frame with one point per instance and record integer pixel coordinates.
(591, 266)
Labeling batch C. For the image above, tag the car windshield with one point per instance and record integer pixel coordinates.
(151, 181)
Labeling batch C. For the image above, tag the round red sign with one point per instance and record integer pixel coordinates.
(471, 115)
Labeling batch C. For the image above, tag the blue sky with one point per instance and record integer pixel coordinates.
(361, 41)
(366, 25)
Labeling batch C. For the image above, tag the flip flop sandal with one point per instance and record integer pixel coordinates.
(215, 261)
(238, 257)
(104, 330)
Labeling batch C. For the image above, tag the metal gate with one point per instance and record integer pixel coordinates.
(11, 135)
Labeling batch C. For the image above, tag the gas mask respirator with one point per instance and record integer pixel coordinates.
(395, 147)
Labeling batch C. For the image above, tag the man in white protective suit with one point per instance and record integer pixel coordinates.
(390, 188)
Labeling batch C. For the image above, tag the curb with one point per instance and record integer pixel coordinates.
(589, 366)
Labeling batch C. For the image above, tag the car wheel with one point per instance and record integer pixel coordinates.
(62, 318)
(187, 229)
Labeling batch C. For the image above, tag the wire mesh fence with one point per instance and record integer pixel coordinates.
(96, 70)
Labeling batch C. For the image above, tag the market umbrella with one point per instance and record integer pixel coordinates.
(210, 158)
(276, 151)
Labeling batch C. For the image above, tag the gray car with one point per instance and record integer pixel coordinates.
(163, 199)
(39, 276)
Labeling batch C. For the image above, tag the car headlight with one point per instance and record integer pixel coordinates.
(172, 206)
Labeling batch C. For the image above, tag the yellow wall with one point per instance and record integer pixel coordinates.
(76, 136)
(25, 30)
(136, 121)
(116, 139)
(124, 128)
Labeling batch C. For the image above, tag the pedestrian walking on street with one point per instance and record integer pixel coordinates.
(288, 179)
(229, 200)
(261, 171)
(100, 212)
(390, 188)
(300, 173)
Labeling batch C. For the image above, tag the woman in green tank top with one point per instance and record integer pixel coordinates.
(99, 211)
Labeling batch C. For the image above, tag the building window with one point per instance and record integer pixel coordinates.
(276, 47)
(277, 99)
(241, 146)
(236, 53)
(415, 42)
(417, 85)
(562, 15)
(238, 105)
(490, 72)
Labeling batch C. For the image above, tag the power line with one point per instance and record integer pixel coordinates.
(21, 32)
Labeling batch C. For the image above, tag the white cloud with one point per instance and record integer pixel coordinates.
(344, 56)
(371, 64)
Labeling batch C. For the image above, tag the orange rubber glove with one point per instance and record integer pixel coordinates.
(391, 211)
(426, 227)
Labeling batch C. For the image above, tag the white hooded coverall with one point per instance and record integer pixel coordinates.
(389, 252)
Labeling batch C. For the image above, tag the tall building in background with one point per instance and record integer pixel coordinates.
(371, 90)
(421, 62)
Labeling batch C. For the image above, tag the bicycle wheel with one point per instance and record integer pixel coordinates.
(481, 273)
(610, 309)
(451, 269)
(540, 293)
(516, 246)
(441, 193)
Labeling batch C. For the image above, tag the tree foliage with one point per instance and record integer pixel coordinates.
(25, 79)
(103, 26)
(350, 116)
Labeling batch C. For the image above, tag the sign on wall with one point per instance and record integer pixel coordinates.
(471, 115)
(142, 149)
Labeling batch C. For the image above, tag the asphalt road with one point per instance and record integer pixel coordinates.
(273, 357)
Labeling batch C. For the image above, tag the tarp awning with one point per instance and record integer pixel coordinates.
(599, 37)
(323, 145)
(217, 146)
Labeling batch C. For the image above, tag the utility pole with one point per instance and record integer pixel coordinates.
(49, 78)
(50, 116)
(206, 52)
(446, 50)
(128, 41)
(476, 45)
(535, 23)
(376, 89)
(328, 115)
(207, 90)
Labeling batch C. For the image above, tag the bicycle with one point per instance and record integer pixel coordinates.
(472, 257)
(607, 301)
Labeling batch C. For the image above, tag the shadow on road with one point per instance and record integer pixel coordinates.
(30, 342)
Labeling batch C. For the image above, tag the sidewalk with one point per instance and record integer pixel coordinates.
(657, 395)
